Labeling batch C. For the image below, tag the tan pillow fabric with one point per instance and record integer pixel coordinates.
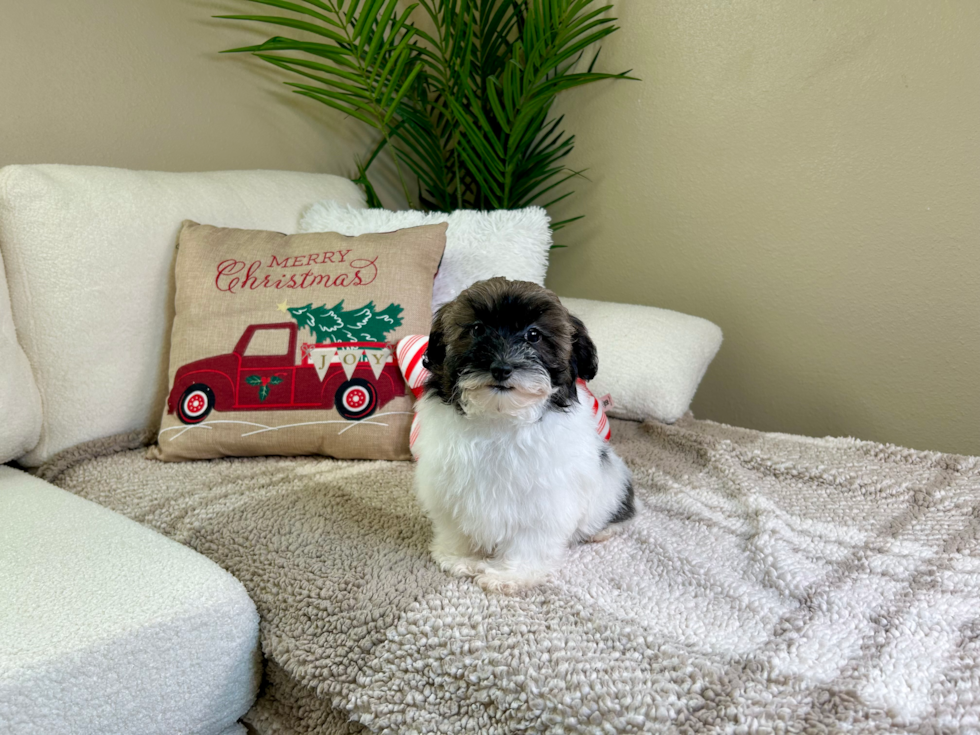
(285, 344)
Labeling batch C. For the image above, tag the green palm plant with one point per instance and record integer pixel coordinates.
(464, 110)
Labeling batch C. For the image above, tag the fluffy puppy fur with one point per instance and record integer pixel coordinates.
(511, 470)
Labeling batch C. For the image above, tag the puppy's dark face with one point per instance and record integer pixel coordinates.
(509, 348)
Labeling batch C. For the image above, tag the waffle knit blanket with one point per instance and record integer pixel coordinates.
(771, 583)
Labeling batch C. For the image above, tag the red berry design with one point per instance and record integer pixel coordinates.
(264, 383)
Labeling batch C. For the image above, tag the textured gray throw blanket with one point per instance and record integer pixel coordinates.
(771, 583)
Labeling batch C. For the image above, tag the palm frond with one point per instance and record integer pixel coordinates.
(464, 107)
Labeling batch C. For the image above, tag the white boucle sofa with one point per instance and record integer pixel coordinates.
(107, 626)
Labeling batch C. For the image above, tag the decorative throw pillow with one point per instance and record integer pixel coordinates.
(510, 243)
(650, 359)
(286, 344)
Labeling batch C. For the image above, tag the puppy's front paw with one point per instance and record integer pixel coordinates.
(459, 566)
(507, 583)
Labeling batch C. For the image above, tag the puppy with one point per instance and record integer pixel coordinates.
(511, 470)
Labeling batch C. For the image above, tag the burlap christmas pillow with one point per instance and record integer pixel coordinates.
(285, 344)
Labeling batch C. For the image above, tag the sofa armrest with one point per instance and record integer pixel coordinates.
(110, 627)
(650, 360)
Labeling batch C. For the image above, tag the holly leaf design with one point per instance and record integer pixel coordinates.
(275, 380)
(253, 380)
(263, 392)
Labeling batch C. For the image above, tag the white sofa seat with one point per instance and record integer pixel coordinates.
(109, 627)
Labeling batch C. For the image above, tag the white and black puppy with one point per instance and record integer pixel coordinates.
(511, 469)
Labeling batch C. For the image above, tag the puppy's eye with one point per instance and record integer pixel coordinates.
(478, 330)
(532, 335)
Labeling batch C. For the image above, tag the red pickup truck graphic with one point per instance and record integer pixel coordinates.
(239, 381)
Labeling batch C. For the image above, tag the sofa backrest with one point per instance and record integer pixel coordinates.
(20, 402)
(89, 260)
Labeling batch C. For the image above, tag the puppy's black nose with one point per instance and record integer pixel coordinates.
(500, 373)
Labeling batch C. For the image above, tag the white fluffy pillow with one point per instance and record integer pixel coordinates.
(650, 360)
(479, 245)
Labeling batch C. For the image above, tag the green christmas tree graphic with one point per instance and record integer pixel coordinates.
(335, 324)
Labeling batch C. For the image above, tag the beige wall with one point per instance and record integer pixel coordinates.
(807, 176)
(139, 84)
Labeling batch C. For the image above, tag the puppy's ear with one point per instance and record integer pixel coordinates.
(435, 353)
(585, 359)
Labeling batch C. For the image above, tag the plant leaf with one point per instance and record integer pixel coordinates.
(462, 106)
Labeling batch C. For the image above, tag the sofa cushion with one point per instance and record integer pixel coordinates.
(510, 243)
(109, 627)
(20, 402)
(650, 360)
(89, 253)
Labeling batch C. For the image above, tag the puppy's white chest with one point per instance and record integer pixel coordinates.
(493, 478)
